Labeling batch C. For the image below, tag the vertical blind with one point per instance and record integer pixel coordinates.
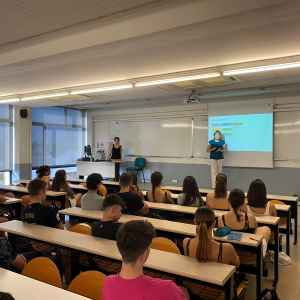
(58, 136)
(5, 137)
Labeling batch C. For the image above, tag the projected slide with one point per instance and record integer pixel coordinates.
(246, 133)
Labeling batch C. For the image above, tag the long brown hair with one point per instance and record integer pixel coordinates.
(191, 191)
(204, 219)
(236, 200)
(221, 186)
(60, 181)
(257, 194)
(156, 180)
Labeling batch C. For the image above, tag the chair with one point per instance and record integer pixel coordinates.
(82, 228)
(139, 166)
(88, 284)
(43, 269)
(164, 244)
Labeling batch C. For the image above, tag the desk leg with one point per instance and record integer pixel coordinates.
(276, 253)
(259, 266)
(288, 229)
(228, 289)
(295, 208)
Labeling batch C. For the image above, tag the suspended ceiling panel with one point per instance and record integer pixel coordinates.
(23, 19)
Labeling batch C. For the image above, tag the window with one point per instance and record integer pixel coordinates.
(58, 136)
(6, 138)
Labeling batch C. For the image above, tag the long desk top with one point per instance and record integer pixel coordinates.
(206, 191)
(78, 182)
(268, 220)
(214, 273)
(183, 229)
(10, 201)
(22, 189)
(24, 288)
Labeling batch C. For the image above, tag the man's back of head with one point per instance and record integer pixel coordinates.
(134, 239)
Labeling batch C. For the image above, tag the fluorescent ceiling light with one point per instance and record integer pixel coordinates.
(102, 89)
(177, 79)
(262, 69)
(45, 96)
(9, 100)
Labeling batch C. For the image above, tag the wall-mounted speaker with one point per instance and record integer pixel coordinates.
(24, 113)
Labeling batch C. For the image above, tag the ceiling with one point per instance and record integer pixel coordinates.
(25, 19)
(44, 47)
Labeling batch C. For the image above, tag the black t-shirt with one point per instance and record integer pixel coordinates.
(41, 215)
(133, 202)
(105, 229)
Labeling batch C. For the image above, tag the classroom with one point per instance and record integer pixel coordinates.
(150, 149)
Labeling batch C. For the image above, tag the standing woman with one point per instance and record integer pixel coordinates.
(216, 148)
(116, 155)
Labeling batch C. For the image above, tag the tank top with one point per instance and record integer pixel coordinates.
(220, 255)
(116, 152)
(246, 226)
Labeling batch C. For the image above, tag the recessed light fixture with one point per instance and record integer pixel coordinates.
(9, 100)
(262, 69)
(177, 79)
(102, 89)
(44, 96)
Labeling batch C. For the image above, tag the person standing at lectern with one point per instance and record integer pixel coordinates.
(216, 148)
(116, 156)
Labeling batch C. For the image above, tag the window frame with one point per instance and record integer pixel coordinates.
(46, 126)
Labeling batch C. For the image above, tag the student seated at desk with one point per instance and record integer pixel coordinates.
(133, 240)
(191, 195)
(219, 198)
(134, 203)
(43, 173)
(203, 246)
(91, 200)
(60, 184)
(158, 194)
(237, 218)
(9, 259)
(36, 209)
(258, 203)
(108, 226)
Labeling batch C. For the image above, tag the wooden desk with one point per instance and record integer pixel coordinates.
(24, 288)
(20, 191)
(216, 274)
(13, 205)
(250, 242)
(289, 200)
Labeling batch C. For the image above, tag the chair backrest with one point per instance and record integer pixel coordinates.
(164, 244)
(277, 202)
(140, 162)
(88, 284)
(43, 269)
(81, 228)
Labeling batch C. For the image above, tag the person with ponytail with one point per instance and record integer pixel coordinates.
(203, 246)
(219, 198)
(191, 195)
(157, 194)
(237, 218)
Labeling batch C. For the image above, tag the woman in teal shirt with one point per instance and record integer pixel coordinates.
(216, 148)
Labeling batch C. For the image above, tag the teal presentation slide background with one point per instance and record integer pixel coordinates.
(248, 132)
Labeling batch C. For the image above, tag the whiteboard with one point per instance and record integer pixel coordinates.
(157, 137)
(200, 137)
(287, 136)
